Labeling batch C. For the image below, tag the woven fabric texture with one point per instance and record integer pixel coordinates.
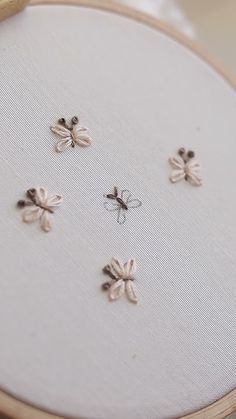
(142, 95)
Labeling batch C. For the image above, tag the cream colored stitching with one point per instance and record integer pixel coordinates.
(185, 167)
(40, 207)
(71, 134)
(122, 277)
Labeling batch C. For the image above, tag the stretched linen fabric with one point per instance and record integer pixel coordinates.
(64, 346)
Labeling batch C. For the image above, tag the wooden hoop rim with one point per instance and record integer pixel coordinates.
(9, 405)
(10, 7)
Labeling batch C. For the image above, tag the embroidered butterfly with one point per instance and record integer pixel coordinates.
(185, 167)
(40, 207)
(71, 134)
(121, 204)
(122, 277)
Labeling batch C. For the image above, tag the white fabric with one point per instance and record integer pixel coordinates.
(63, 345)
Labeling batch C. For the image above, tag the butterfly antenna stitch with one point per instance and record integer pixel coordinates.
(74, 120)
(107, 271)
(106, 285)
(62, 121)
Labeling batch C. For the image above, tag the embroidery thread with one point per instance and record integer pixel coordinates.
(40, 207)
(122, 277)
(185, 167)
(71, 134)
(121, 203)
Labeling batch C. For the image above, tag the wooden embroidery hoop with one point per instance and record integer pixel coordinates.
(10, 406)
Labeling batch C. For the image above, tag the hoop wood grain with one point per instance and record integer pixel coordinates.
(10, 7)
(9, 405)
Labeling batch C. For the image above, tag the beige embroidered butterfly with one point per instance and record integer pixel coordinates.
(122, 279)
(40, 207)
(71, 134)
(185, 167)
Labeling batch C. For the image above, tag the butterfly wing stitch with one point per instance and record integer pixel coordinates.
(80, 136)
(70, 134)
(39, 207)
(122, 277)
(121, 204)
(185, 167)
(193, 173)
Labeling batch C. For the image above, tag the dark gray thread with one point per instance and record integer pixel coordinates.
(121, 203)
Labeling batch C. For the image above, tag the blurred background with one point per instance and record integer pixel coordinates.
(211, 23)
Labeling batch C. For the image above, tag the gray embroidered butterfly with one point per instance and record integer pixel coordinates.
(121, 204)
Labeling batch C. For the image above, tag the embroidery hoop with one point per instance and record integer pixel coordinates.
(227, 404)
